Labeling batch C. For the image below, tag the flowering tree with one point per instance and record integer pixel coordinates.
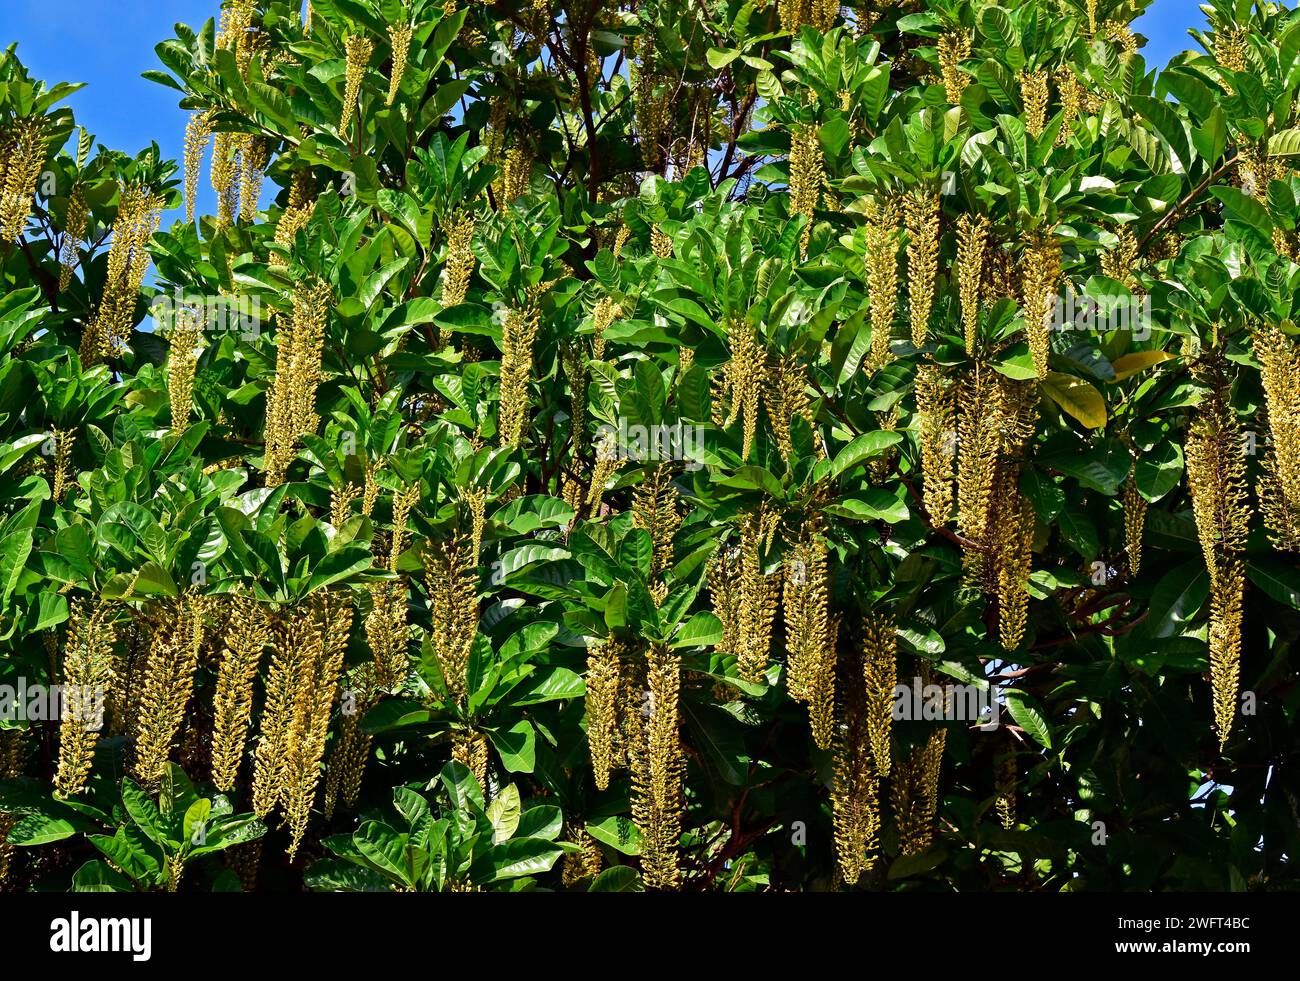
(668, 445)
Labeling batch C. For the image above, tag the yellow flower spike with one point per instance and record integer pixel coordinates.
(1034, 94)
(26, 145)
(954, 48)
(182, 360)
(807, 178)
(87, 672)
(603, 674)
(855, 780)
(1279, 491)
(810, 640)
(658, 768)
(451, 578)
(358, 50)
(880, 676)
(248, 634)
(936, 404)
(972, 242)
(399, 40)
(882, 279)
(74, 233)
(1042, 271)
(177, 628)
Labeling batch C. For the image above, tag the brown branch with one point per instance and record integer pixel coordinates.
(1191, 197)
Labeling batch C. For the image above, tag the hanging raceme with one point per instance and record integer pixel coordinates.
(661, 243)
(979, 441)
(602, 697)
(291, 400)
(1073, 101)
(358, 50)
(227, 169)
(460, 259)
(254, 155)
(248, 633)
(651, 102)
(347, 760)
(880, 676)
(1279, 490)
(198, 134)
(451, 578)
(954, 48)
(25, 149)
(972, 243)
(607, 463)
(1042, 270)
(182, 359)
(1034, 96)
(1216, 478)
(655, 511)
(298, 210)
(743, 377)
(87, 677)
(74, 233)
(809, 634)
(785, 396)
(177, 628)
(1135, 513)
(518, 334)
(309, 642)
(807, 177)
(936, 402)
(584, 864)
(921, 216)
(914, 793)
(342, 497)
(399, 41)
(1014, 539)
(855, 776)
(64, 477)
(794, 14)
(315, 693)
(1120, 262)
(882, 278)
(757, 598)
(658, 769)
(605, 313)
(138, 215)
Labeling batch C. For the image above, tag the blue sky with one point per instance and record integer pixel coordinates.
(110, 42)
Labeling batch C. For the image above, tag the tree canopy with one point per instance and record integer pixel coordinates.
(625, 445)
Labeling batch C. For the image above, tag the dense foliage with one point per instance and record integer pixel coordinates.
(578, 417)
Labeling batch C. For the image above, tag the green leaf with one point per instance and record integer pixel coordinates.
(517, 746)
(1277, 579)
(40, 829)
(618, 878)
(504, 813)
(1177, 598)
(385, 849)
(862, 448)
(1028, 714)
(1077, 397)
(523, 856)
